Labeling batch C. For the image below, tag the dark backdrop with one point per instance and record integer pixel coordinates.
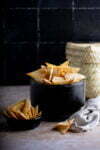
(35, 31)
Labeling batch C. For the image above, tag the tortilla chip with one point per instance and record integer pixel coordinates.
(27, 106)
(68, 69)
(39, 114)
(17, 106)
(7, 114)
(21, 116)
(74, 77)
(55, 74)
(46, 81)
(51, 74)
(50, 65)
(59, 81)
(22, 110)
(65, 64)
(36, 111)
(64, 127)
(32, 111)
(11, 114)
(27, 109)
(38, 75)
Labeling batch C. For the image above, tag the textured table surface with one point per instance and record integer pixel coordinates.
(42, 137)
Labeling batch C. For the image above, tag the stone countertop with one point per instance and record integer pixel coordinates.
(42, 137)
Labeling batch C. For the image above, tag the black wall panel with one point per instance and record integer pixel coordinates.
(54, 53)
(55, 3)
(21, 3)
(55, 25)
(86, 25)
(35, 31)
(20, 25)
(87, 3)
(21, 58)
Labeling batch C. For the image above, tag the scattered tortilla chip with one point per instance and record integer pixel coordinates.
(64, 127)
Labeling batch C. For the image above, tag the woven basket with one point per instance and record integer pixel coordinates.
(87, 57)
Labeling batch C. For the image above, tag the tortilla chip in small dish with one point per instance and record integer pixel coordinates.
(22, 115)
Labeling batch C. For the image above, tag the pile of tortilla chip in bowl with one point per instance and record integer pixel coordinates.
(22, 115)
(59, 90)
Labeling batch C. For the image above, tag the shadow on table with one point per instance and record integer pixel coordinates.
(3, 124)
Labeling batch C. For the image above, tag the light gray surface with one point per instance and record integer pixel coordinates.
(43, 137)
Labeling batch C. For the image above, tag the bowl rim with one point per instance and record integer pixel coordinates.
(83, 81)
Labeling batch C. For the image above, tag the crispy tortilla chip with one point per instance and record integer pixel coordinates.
(22, 110)
(17, 106)
(11, 114)
(55, 74)
(36, 111)
(51, 74)
(61, 71)
(21, 116)
(46, 81)
(27, 106)
(32, 111)
(39, 114)
(63, 127)
(59, 81)
(38, 75)
(7, 114)
(27, 109)
(65, 64)
(74, 77)
(72, 70)
(50, 65)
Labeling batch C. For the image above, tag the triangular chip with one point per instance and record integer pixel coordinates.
(27, 109)
(75, 77)
(65, 64)
(33, 111)
(59, 81)
(63, 127)
(11, 114)
(17, 106)
(36, 111)
(46, 81)
(21, 116)
(50, 65)
(38, 75)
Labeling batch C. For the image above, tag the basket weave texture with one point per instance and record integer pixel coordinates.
(87, 57)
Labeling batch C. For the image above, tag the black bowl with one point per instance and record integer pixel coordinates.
(14, 124)
(57, 102)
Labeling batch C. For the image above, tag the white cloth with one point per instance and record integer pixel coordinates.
(87, 117)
